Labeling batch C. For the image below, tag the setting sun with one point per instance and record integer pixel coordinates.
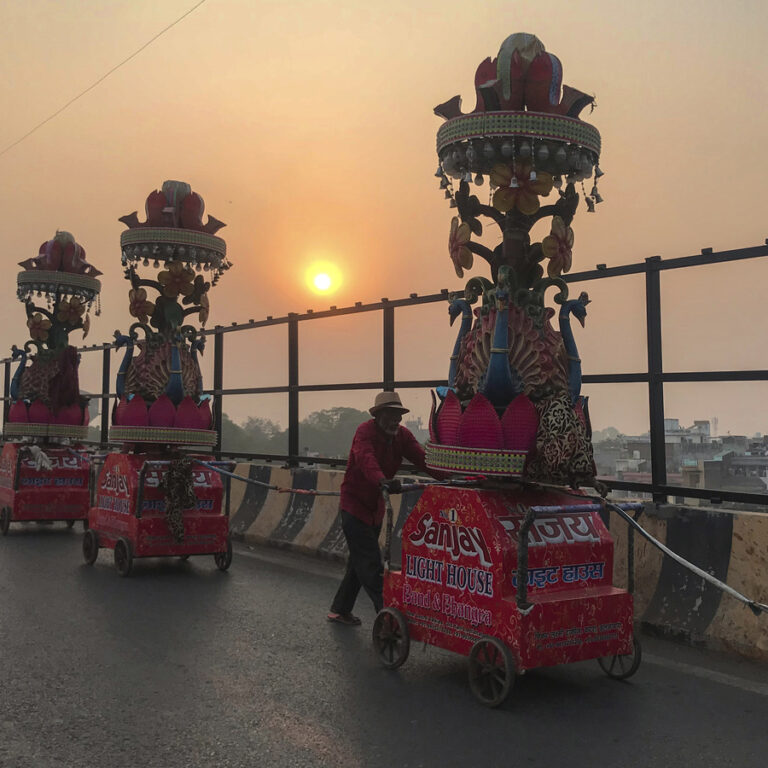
(322, 281)
(323, 277)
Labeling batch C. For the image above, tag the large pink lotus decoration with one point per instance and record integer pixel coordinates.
(460, 436)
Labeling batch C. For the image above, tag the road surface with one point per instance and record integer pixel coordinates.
(182, 665)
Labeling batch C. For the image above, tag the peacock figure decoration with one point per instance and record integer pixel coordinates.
(59, 289)
(513, 404)
(159, 382)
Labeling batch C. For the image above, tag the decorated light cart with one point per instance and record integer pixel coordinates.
(44, 470)
(156, 498)
(511, 565)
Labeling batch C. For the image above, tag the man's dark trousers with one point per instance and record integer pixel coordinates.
(364, 566)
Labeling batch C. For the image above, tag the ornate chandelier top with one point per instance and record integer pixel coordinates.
(524, 132)
(174, 231)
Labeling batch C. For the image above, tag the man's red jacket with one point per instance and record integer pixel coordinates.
(374, 457)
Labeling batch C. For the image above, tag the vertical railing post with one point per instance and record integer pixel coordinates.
(106, 359)
(388, 336)
(293, 389)
(655, 371)
(6, 391)
(218, 385)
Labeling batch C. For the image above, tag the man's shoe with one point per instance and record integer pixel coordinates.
(344, 618)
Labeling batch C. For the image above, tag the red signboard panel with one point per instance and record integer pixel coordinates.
(60, 492)
(458, 580)
(130, 502)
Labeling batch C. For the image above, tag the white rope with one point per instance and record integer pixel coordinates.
(754, 606)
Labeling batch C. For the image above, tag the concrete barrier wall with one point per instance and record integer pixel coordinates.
(731, 546)
(308, 524)
(669, 599)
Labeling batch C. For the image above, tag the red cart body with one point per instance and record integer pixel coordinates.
(30, 494)
(129, 512)
(458, 579)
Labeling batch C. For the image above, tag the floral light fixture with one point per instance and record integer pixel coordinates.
(161, 398)
(59, 289)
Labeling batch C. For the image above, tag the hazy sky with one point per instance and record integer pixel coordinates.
(307, 127)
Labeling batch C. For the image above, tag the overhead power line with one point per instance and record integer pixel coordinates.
(101, 79)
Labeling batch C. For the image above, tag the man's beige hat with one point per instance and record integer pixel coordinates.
(387, 400)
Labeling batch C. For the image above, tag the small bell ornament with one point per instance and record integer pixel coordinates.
(590, 205)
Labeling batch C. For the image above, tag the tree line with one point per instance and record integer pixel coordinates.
(325, 433)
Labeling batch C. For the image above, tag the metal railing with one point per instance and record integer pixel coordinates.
(654, 377)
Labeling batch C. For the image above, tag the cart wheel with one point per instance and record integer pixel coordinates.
(390, 638)
(622, 667)
(224, 559)
(123, 557)
(5, 520)
(90, 547)
(491, 671)
(69, 523)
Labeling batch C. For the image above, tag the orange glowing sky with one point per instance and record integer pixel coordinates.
(307, 126)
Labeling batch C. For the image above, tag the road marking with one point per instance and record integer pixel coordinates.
(709, 674)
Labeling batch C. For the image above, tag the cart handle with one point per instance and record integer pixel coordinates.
(630, 506)
(522, 541)
(388, 530)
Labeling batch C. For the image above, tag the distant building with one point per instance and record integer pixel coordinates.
(694, 459)
(736, 472)
(416, 427)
